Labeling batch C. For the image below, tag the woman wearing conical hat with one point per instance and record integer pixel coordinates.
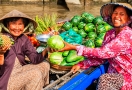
(116, 48)
(15, 73)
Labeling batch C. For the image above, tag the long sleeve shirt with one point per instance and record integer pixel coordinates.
(117, 50)
(22, 47)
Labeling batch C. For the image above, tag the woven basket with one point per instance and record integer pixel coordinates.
(59, 67)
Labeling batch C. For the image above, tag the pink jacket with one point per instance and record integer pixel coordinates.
(117, 50)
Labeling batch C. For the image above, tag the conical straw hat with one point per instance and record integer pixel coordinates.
(107, 10)
(16, 13)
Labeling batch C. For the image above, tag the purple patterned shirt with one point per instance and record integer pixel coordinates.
(22, 47)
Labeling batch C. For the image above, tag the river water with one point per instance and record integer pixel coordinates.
(63, 12)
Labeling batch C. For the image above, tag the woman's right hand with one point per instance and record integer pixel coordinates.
(75, 68)
(68, 46)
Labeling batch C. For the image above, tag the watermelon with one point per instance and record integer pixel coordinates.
(100, 29)
(77, 17)
(74, 21)
(89, 18)
(101, 35)
(89, 43)
(81, 25)
(107, 27)
(67, 25)
(98, 20)
(98, 41)
(75, 29)
(92, 35)
(82, 33)
(89, 27)
(84, 14)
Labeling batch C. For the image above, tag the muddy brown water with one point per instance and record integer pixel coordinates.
(63, 12)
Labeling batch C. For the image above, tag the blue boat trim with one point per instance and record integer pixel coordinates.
(85, 78)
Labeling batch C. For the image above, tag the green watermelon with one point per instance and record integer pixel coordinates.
(92, 35)
(75, 21)
(82, 33)
(81, 25)
(100, 29)
(83, 20)
(84, 14)
(89, 18)
(67, 25)
(101, 35)
(89, 43)
(98, 41)
(77, 17)
(98, 20)
(107, 27)
(75, 29)
(90, 27)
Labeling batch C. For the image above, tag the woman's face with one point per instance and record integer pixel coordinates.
(119, 16)
(16, 27)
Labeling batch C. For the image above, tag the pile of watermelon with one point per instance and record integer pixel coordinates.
(92, 29)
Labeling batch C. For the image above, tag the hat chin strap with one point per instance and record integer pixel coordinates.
(30, 26)
(2, 26)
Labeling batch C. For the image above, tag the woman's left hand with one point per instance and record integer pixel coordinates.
(4, 49)
(48, 49)
(51, 50)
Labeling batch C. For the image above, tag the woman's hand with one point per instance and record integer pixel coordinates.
(68, 47)
(4, 49)
(1, 59)
(51, 50)
(48, 49)
(75, 68)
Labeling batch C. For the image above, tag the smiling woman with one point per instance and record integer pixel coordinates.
(116, 49)
(15, 73)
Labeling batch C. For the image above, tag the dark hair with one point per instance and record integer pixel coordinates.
(7, 20)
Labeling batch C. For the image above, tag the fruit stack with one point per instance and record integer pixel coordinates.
(91, 28)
